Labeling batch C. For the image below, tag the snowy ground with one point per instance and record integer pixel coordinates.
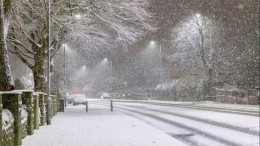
(98, 127)
(130, 124)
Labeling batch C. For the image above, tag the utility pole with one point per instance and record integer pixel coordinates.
(48, 64)
(65, 85)
(111, 84)
(161, 69)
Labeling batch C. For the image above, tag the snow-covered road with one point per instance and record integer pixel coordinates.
(205, 127)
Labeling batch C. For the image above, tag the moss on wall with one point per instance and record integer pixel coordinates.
(13, 102)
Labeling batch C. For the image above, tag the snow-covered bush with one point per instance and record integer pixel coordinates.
(8, 127)
(8, 121)
(187, 88)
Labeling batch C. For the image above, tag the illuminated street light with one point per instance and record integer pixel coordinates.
(198, 15)
(152, 42)
(78, 16)
(84, 67)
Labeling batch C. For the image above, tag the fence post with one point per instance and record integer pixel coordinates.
(49, 107)
(42, 108)
(36, 110)
(86, 106)
(13, 102)
(62, 104)
(111, 105)
(27, 99)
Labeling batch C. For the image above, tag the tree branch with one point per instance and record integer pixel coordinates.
(16, 42)
(24, 60)
(30, 39)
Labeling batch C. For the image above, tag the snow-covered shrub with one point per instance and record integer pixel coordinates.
(8, 121)
(8, 127)
(185, 88)
(191, 88)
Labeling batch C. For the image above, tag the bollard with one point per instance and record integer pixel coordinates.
(111, 105)
(62, 105)
(36, 111)
(86, 106)
(49, 111)
(27, 99)
(42, 108)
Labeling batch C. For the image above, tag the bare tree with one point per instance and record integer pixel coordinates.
(215, 46)
(29, 37)
(102, 25)
(197, 42)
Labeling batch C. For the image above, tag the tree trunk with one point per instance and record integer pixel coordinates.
(210, 84)
(6, 80)
(207, 86)
(38, 69)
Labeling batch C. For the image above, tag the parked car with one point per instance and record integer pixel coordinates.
(70, 99)
(79, 99)
(105, 96)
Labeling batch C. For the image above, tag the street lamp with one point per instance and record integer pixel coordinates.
(78, 16)
(111, 72)
(111, 68)
(160, 52)
(199, 21)
(198, 15)
(48, 64)
(64, 49)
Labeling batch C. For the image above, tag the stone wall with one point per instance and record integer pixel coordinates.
(27, 100)
(13, 102)
(28, 111)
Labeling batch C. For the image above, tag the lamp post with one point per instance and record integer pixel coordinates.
(160, 53)
(65, 89)
(48, 64)
(161, 69)
(111, 68)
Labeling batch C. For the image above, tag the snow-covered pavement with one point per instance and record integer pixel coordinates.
(98, 127)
